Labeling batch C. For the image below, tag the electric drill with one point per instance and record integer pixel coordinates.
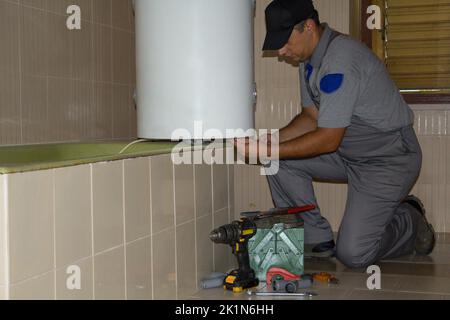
(237, 234)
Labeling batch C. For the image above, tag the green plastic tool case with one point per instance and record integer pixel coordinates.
(279, 242)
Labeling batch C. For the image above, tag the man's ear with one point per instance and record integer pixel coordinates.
(309, 25)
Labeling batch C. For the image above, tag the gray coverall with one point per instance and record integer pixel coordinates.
(379, 157)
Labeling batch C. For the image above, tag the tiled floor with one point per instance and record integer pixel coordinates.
(411, 277)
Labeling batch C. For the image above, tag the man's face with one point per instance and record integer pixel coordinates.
(298, 47)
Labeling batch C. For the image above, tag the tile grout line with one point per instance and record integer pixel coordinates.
(92, 228)
(19, 24)
(6, 238)
(213, 212)
(149, 161)
(195, 226)
(91, 131)
(54, 229)
(175, 228)
(124, 231)
(112, 70)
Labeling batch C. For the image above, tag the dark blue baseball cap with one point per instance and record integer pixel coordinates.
(281, 18)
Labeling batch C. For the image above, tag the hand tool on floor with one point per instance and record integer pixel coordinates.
(237, 234)
(282, 294)
(325, 277)
(281, 280)
(276, 212)
(213, 280)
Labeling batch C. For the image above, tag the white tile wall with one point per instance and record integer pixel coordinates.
(137, 199)
(66, 279)
(162, 196)
(109, 275)
(98, 217)
(38, 288)
(139, 269)
(107, 196)
(31, 227)
(186, 262)
(3, 232)
(73, 225)
(164, 265)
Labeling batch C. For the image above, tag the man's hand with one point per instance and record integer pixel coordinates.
(255, 151)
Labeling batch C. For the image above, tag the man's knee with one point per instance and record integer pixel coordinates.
(354, 254)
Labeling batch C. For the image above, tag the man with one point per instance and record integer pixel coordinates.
(356, 128)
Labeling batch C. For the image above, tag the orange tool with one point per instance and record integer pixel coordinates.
(325, 277)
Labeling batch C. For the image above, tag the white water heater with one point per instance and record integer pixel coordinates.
(194, 67)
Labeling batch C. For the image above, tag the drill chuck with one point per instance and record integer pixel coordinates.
(227, 234)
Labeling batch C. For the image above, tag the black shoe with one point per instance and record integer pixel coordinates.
(426, 237)
(321, 250)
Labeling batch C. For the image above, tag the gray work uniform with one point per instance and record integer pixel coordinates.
(379, 157)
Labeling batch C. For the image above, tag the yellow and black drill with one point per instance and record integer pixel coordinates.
(237, 234)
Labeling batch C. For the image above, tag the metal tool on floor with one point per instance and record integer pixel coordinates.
(213, 280)
(281, 294)
(281, 280)
(237, 234)
(325, 277)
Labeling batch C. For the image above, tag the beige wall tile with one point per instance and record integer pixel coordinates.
(3, 233)
(447, 156)
(163, 265)
(101, 121)
(133, 114)
(139, 270)
(60, 7)
(203, 190)
(3, 293)
(107, 188)
(73, 226)
(40, 4)
(221, 251)
(39, 288)
(121, 111)
(83, 52)
(102, 10)
(121, 56)
(34, 109)
(184, 193)
(220, 187)
(133, 58)
(137, 198)
(109, 275)
(59, 53)
(66, 274)
(205, 259)
(82, 110)
(34, 41)
(9, 33)
(231, 204)
(102, 53)
(31, 220)
(60, 92)
(121, 14)
(186, 271)
(162, 193)
(10, 121)
(48, 48)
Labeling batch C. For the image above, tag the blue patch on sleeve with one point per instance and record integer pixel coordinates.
(331, 82)
(309, 70)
